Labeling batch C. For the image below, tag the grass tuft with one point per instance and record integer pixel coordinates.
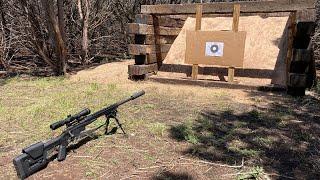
(157, 129)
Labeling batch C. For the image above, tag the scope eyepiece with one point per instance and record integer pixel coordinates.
(70, 119)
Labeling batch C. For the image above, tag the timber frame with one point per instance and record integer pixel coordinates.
(156, 28)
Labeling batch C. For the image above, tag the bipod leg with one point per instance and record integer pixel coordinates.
(107, 124)
(118, 123)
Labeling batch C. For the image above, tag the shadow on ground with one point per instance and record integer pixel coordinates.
(167, 175)
(282, 137)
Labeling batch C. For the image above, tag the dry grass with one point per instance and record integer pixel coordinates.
(153, 150)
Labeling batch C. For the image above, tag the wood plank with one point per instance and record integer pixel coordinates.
(235, 28)
(236, 16)
(134, 28)
(292, 30)
(306, 15)
(227, 7)
(150, 39)
(142, 49)
(249, 73)
(156, 27)
(200, 82)
(297, 80)
(231, 74)
(195, 67)
(142, 69)
(148, 59)
(163, 20)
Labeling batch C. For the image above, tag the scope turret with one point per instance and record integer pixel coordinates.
(70, 119)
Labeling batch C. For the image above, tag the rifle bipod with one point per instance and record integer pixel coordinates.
(113, 116)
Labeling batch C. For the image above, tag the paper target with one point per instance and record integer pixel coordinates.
(214, 49)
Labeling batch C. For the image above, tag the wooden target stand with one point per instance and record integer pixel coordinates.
(235, 28)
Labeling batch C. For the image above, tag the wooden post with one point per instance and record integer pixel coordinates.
(198, 27)
(291, 33)
(235, 28)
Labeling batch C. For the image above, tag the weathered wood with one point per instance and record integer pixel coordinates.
(156, 27)
(141, 49)
(236, 16)
(231, 74)
(163, 20)
(134, 28)
(292, 30)
(150, 39)
(306, 15)
(148, 59)
(200, 82)
(195, 67)
(250, 73)
(297, 80)
(302, 55)
(184, 17)
(227, 7)
(142, 69)
(235, 28)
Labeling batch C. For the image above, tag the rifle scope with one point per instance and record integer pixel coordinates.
(70, 119)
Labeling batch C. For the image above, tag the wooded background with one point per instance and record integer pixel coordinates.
(51, 37)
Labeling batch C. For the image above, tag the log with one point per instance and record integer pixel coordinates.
(306, 15)
(135, 28)
(250, 73)
(136, 70)
(297, 80)
(149, 58)
(141, 49)
(302, 55)
(163, 20)
(149, 39)
(227, 7)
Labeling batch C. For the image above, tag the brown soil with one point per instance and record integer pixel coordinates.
(191, 132)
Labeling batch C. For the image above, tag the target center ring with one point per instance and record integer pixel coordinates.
(214, 48)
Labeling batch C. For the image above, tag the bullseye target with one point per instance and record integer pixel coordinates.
(214, 49)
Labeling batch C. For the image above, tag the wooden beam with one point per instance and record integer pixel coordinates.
(149, 58)
(236, 16)
(292, 31)
(142, 69)
(249, 73)
(150, 39)
(163, 21)
(297, 80)
(235, 28)
(227, 7)
(134, 28)
(195, 67)
(142, 49)
(307, 15)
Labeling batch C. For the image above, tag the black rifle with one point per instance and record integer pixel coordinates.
(35, 157)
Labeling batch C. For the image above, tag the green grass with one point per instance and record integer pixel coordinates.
(253, 173)
(157, 129)
(30, 106)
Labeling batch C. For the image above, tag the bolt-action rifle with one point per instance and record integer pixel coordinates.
(35, 157)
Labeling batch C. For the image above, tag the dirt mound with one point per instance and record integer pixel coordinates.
(265, 44)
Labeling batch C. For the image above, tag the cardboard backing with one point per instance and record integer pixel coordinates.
(233, 44)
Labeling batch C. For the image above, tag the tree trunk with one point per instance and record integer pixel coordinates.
(61, 20)
(85, 26)
(5, 38)
(61, 51)
(36, 35)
